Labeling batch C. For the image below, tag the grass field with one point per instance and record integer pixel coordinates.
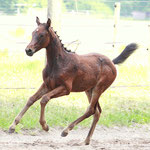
(126, 106)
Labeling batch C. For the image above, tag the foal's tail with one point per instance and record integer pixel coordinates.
(129, 49)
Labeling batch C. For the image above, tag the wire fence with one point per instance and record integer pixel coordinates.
(33, 88)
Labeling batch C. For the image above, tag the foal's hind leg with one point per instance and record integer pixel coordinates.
(96, 117)
(90, 111)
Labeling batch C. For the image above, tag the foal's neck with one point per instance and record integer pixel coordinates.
(54, 50)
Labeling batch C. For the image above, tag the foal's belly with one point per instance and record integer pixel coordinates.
(83, 84)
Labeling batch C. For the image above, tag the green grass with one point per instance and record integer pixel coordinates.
(121, 106)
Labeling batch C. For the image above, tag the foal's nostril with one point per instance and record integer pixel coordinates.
(29, 52)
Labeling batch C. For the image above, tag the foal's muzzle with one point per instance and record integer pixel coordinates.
(29, 52)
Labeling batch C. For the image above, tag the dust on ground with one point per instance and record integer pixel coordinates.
(115, 138)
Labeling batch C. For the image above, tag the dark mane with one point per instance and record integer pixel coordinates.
(64, 48)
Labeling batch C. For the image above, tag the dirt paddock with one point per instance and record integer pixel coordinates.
(116, 138)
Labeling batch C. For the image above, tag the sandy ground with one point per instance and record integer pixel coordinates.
(116, 138)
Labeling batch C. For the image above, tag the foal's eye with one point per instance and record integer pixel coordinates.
(41, 35)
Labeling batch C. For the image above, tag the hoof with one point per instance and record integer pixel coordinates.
(79, 144)
(64, 134)
(46, 128)
(11, 130)
(87, 143)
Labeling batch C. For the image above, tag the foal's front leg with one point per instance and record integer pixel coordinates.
(59, 91)
(42, 90)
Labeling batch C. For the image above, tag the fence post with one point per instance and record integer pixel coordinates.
(76, 5)
(148, 46)
(116, 21)
(54, 13)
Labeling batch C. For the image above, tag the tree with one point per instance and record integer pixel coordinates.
(7, 6)
(101, 6)
(36, 3)
(10, 6)
(128, 7)
(90, 5)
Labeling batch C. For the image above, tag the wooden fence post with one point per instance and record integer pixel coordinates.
(148, 49)
(54, 13)
(76, 5)
(148, 46)
(116, 21)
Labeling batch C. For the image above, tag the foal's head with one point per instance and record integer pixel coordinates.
(40, 37)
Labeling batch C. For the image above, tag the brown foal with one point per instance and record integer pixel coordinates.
(67, 72)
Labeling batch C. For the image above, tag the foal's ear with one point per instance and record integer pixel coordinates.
(38, 21)
(48, 24)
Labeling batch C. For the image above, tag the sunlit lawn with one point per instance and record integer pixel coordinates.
(121, 105)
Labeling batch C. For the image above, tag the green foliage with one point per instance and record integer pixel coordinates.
(10, 6)
(107, 7)
(83, 5)
(31, 4)
(128, 7)
(38, 3)
(96, 6)
(7, 6)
